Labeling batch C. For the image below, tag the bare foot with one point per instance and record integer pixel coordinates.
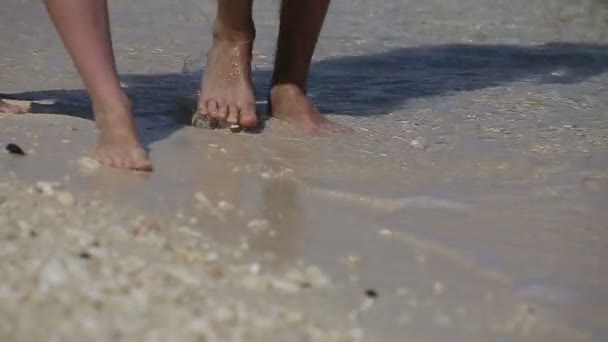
(289, 103)
(118, 145)
(227, 91)
(8, 108)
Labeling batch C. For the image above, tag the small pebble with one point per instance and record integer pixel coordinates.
(258, 225)
(14, 149)
(438, 288)
(386, 232)
(234, 128)
(211, 257)
(225, 206)
(189, 231)
(418, 143)
(202, 199)
(371, 293)
(65, 198)
(84, 255)
(368, 303)
(255, 268)
(285, 285)
(402, 292)
(47, 188)
(353, 260)
(143, 226)
(88, 164)
(316, 277)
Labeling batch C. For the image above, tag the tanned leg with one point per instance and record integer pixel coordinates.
(84, 28)
(301, 23)
(227, 91)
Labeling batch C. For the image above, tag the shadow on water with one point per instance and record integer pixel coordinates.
(361, 85)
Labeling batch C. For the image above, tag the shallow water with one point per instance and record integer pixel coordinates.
(478, 160)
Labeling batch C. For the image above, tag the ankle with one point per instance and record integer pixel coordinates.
(235, 34)
(113, 106)
(114, 116)
(285, 77)
(288, 89)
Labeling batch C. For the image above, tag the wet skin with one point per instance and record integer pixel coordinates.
(227, 95)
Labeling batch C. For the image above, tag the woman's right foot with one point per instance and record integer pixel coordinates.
(227, 94)
(118, 145)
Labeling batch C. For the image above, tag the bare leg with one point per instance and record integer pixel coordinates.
(84, 28)
(301, 23)
(7, 108)
(227, 91)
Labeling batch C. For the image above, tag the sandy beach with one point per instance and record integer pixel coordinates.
(469, 203)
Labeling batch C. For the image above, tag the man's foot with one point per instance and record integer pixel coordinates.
(118, 145)
(289, 103)
(227, 92)
(7, 108)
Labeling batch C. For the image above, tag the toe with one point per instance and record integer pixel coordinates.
(248, 117)
(143, 165)
(212, 108)
(222, 110)
(109, 161)
(120, 162)
(140, 161)
(233, 114)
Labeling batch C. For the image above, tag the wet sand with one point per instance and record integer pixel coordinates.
(468, 205)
